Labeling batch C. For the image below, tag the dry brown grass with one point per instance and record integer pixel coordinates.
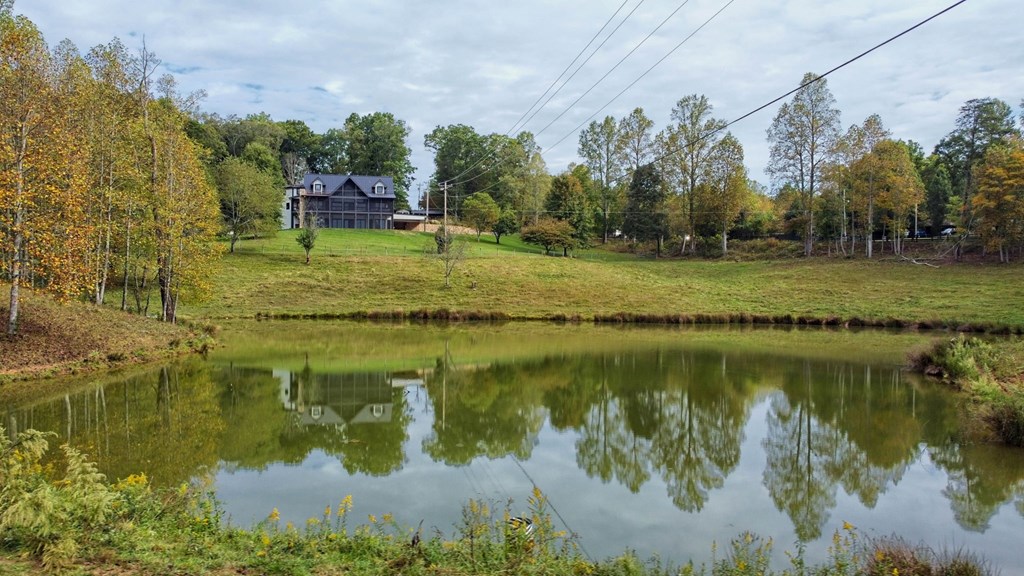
(57, 338)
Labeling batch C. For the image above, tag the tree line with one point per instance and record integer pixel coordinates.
(687, 184)
(109, 176)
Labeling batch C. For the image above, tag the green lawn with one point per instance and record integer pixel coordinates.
(355, 271)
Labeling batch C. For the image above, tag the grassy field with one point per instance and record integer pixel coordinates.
(356, 272)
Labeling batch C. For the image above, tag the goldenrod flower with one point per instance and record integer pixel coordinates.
(274, 515)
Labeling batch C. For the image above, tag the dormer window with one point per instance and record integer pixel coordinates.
(318, 187)
(378, 188)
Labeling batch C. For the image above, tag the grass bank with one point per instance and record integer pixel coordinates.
(357, 274)
(991, 373)
(60, 338)
(65, 517)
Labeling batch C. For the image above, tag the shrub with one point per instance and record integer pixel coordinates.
(47, 514)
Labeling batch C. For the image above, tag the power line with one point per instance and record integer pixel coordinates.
(602, 78)
(818, 78)
(655, 65)
(521, 123)
(617, 64)
(623, 59)
(555, 81)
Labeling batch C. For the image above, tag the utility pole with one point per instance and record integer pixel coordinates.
(444, 187)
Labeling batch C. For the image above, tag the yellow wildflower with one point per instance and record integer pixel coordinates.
(847, 526)
(327, 511)
(387, 518)
(265, 539)
(373, 519)
(274, 515)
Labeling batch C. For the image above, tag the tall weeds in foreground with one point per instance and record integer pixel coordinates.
(66, 515)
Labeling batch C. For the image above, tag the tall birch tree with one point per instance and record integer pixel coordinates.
(600, 149)
(803, 140)
(688, 147)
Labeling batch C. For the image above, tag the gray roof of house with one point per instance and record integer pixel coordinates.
(365, 184)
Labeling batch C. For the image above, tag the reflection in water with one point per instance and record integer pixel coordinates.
(657, 417)
(282, 416)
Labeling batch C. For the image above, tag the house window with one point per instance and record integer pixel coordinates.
(318, 187)
(378, 188)
(287, 206)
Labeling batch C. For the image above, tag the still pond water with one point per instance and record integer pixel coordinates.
(657, 440)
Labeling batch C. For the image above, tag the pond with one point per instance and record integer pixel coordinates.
(659, 440)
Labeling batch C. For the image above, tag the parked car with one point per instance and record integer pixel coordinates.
(949, 231)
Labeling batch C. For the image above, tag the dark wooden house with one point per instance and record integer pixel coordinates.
(342, 201)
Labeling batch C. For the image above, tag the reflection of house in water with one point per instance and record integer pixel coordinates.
(340, 399)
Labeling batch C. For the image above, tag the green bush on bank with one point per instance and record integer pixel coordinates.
(990, 373)
(66, 515)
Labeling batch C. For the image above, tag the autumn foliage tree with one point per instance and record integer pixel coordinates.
(999, 202)
(43, 230)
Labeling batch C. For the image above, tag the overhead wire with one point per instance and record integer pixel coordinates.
(574, 60)
(645, 73)
(613, 68)
(602, 78)
(521, 123)
(767, 104)
(816, 79)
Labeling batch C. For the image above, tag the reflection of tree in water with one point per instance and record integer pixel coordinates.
(679, 415)
(606, 449)
(165, 422)
(798, 451)
(698, 444)
(980, 479)
(835, 426)
(488, 411)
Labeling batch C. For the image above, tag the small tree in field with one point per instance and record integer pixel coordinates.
(508, 223)
(481, 212)
(449, 252)
(550, 234)
(308, 234)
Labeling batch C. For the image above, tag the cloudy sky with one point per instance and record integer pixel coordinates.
(484, 63)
